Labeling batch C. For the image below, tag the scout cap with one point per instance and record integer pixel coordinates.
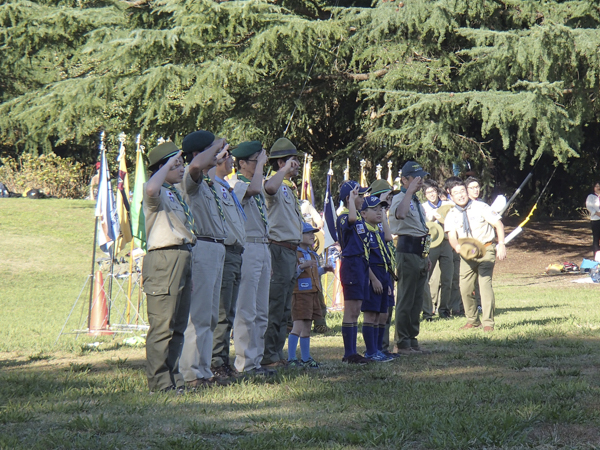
(247, 149)
(413, 169)
(282, 148)
(161, 153)
(443, 211)
(348, 186)
(381, 186)
(471, 248)
(197, 141)
(308, 228)
(372, 201)
(436, 232)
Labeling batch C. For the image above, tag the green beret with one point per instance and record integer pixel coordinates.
(282, 148)
(197, 141)
(162, 152)
(246, 149)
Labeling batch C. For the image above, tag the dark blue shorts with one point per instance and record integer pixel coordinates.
(379, 302)
(354, 276)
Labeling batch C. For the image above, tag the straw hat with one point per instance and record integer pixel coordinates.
(471, 248)
(436, 232)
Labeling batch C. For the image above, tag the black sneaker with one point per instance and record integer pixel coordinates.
(356, 359)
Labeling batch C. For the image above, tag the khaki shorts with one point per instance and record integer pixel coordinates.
(306, 306)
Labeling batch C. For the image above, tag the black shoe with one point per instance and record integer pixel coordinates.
(224, 371)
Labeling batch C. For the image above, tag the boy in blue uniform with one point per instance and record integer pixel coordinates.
(375, 307)
(353, 238)
(306, 305)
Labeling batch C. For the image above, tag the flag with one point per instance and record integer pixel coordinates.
(123, 199)
(138, 222)
(307, 188)
(108, 221)
(329, 217)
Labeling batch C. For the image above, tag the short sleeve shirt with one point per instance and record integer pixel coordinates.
(233, 216)
(285, 218)
(203, 204)
(481, 219)
(411, 225)
(166, 222)
(353, 238)
(255, 225)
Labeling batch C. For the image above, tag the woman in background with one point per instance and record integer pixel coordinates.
(592, 203)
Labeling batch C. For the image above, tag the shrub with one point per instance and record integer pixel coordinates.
(53, 175)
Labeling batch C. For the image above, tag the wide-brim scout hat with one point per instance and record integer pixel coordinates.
(246, 149)
(198, 141)
(436, 232)
(471, 248)
(381, 186)
(162, 153)
(282, 148)
(349, 186)
(443, 211)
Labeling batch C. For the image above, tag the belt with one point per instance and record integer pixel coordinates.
(235, 248)
(257, 240)
(415, 245)
(208, 239)
(186, 247)
(284, 244)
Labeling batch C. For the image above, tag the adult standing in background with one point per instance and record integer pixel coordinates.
(285, 233)
(592, 203)
(208, 257)
(252, 310)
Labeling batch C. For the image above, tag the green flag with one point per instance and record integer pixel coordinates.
(138, 222)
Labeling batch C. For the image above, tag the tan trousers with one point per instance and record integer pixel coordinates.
(473, 271)
(207, 272)
(252, 312)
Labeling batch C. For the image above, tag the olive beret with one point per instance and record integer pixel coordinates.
(282, 148)
(162, 152)
(246, 149)
(197, 141)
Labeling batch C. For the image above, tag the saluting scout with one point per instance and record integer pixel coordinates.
(235, 217)
(208, 256)
(407, 220)
(285, 233)
(167, 269)
(252, 311)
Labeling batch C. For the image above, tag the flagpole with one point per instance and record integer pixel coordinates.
(94, 246)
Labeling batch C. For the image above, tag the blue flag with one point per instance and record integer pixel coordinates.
(329, 216)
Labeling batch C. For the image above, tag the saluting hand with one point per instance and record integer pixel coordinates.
(262, 158)
(291, 165)
(174, 160)
(414, 185)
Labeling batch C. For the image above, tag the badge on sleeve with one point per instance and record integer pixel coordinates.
(360, 228)
(285, 191)
(171, 196)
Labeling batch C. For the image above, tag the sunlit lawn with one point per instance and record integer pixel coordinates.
(533, 383)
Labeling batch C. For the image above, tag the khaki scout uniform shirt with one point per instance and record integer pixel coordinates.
(203, 205)
(166, 222)
(481, 217)
(255, 226)
(285, 218)
(233, 216)
(411, 225)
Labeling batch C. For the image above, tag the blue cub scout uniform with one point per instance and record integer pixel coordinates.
(354, 269)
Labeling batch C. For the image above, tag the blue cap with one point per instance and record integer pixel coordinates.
(349, 186)
(372, 201)
(308, 228)
(413, 169)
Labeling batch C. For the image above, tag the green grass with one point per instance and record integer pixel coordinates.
(533, 383)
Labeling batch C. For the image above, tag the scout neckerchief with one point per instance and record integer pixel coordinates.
(466, 224)
(417, 203)
(436, 206)
(214, 191)
(290, 184)
(225, 184)
(358, 217)
(186, 208)
(384, 248)
(258, 198)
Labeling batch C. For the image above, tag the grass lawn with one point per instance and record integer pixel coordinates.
(533, 383)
